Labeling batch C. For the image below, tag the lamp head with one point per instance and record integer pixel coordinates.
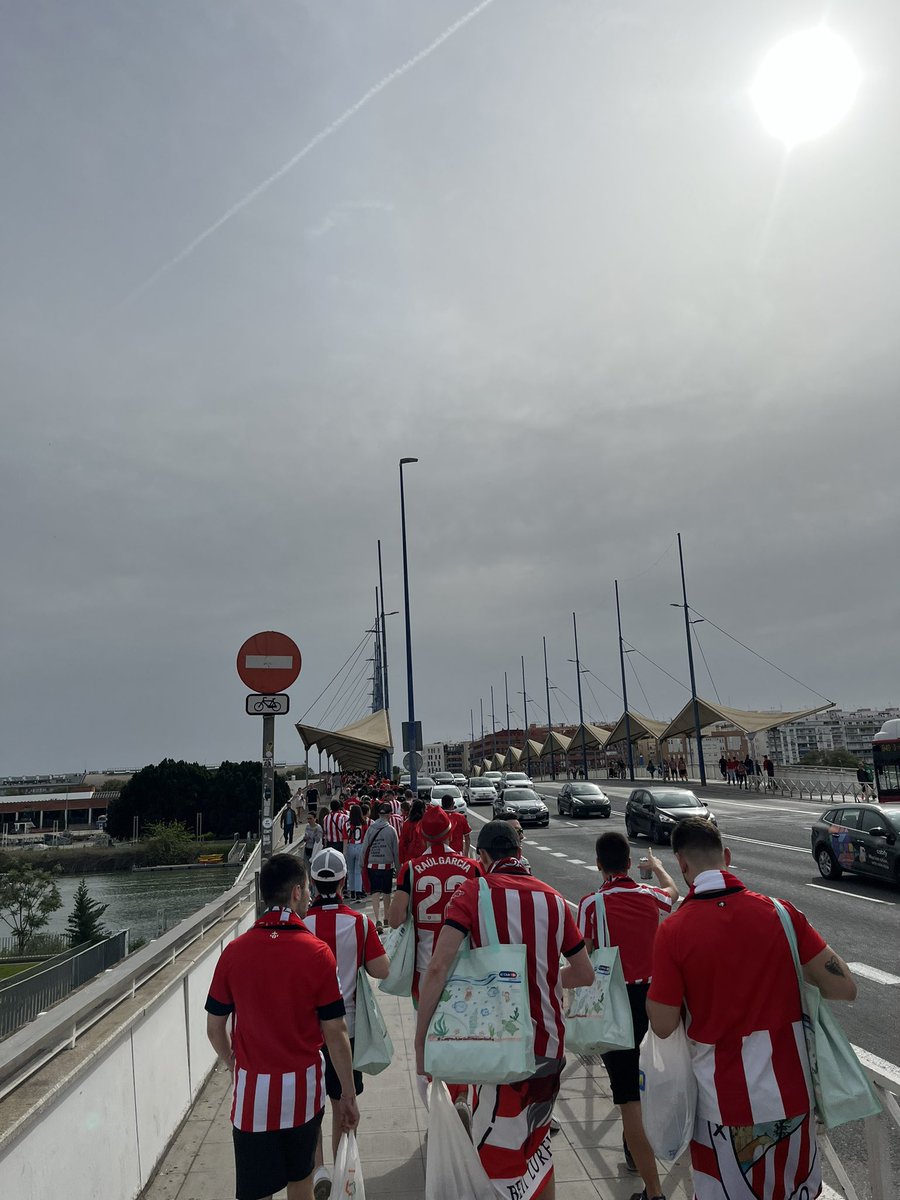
(407, 460)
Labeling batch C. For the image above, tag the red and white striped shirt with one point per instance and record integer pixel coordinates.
(633, 913)
(334, 827)
(395, 805)
(398, 821)
(430, 882)
(279, 982)
(527, 911)
(352, 939)
(724, 953)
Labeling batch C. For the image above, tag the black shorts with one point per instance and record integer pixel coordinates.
(266, 1162)
(623, 1066)
(333, 1088)
(381, 881)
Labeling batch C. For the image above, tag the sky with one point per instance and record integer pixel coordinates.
(552, 254)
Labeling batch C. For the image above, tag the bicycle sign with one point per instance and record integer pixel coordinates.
(268, 706)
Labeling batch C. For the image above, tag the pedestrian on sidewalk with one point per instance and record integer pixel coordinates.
(460, 829)
(312, 838)
(334, 827)
(633, 913)
(511, 1122)
(356, 831)
(723, 767)
(278, 966)
(380, 859)
(288, 820)
(724, 957)
(356, 946)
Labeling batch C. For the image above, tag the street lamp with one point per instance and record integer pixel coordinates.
(411, 738)
(578, 669)
(698, 730)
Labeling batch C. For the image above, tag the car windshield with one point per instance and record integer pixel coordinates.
(515, 777)
(585, 789)
(892, 820)
(523, 796)
(446, 789)
(676, 800)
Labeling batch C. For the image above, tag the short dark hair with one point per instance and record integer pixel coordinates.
(613, 851)
(279, 876)
(335, 805)
(447, 802)
(498, 839)
(697, 835)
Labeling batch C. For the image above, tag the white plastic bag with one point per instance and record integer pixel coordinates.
(347, 1180)
(668, 1093)
(453, 1170)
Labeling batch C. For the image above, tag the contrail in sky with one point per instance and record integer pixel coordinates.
(292, 162)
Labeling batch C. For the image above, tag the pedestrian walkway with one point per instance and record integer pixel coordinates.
(587, 1152)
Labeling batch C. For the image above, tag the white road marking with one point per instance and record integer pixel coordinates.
(874, 973)
(573, 824)
(558, 854)
(852, 895)
(733, 837)
(578, 862)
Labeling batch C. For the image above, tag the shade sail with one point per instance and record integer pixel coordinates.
(532, 749)
(498, 762)
(750, 721)
(641, 727)
(356, 747)
(595, 737)
(512, 757)
(556, 743)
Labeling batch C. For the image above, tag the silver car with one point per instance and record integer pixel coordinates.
(480, 791)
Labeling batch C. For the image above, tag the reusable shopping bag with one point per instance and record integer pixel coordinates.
(400, 947)
(453, 1170)
(347, 1179)
(668, 1093)
(599, 1016)
(840, 1086)
(482, 1031)
(372, 1045)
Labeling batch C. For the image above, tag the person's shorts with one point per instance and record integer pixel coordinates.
(264, 1163)
(381, 881)
(623, 1066)
(333, 1088)
(511, 1129)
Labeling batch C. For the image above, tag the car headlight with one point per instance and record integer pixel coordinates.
(664, 820)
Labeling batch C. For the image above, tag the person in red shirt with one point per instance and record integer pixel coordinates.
(425, 885)
(334, 827)
(276, 1064)
(412, 840)
(530, 913)
(724, 956)
(633, 912)
(461, 832)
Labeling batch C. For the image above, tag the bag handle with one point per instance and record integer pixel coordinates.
(486, 913)
(602, 923)
(790, 934)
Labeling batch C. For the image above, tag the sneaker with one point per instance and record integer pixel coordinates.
(379, 928)
(629, 1161)
(322, 1184)
(643, 1196)
(462, 1111)
(554, 1127)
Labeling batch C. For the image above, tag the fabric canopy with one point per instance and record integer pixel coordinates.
(356, 747)
(498, 762)
(595, 737)
(641, 727)
(556, 743)
(531, 749)
(750, 721)
(512, 757)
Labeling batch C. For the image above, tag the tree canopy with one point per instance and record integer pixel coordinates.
(28, 897)
(830, 758)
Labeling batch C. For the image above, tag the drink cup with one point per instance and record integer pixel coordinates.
(644, 868)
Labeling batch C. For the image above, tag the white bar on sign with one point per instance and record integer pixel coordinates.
(268, 662)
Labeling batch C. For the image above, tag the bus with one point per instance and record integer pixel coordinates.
(886, 757)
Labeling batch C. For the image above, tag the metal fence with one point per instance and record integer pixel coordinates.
(39, 944)
(25, 995)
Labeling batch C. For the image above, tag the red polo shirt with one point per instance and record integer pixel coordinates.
(633, 913)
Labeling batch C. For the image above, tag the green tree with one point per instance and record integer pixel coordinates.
(170, 791)
(235, 797)
(28, 897)
(169, 842)
(84, 922)
(830, 758)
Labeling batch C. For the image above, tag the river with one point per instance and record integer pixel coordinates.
(146, 902)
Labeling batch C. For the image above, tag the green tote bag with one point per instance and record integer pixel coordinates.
(400, 947)
(840, 1085)
(599, 1017)
(482, 1031)
(372, 1045)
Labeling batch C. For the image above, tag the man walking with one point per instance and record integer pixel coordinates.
(334, 827)
(460, 829)
(511, 1122)
(725, 956)
(278, 965)
(288, 819)
(633, 913)
(380, 859)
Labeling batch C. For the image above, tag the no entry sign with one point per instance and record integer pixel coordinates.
(268, 662)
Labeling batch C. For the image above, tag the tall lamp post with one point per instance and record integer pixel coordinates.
(493, 728)
(525, 720)
(698, 732)
(411, 748)
(508, 733)
(577, 661)
(624, 689)
(549, 722)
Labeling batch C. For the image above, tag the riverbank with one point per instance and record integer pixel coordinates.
(96, 860)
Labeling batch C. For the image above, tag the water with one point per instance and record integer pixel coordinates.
(134, 897)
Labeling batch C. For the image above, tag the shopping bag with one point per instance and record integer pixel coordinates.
(668, 1093)
(347, 1178)
(840, 1086)
(453, 1170)
(372, 1045)
(599, 1016)
(481, 1030)
(400, 947)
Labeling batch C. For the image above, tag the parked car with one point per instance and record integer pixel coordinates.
(514, 779)
(480, 791)
(440, 790)
(861, 838)
(524, 804)
(655, 812)
(582, 800)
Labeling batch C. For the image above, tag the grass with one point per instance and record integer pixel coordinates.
(14, 968)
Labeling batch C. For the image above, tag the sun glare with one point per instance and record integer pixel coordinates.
(806, 84)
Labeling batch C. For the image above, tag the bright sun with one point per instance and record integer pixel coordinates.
(805, 85)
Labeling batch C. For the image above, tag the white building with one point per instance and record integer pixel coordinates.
(831, 730)
(435, 757)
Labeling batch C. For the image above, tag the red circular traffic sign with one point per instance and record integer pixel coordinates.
(268, 662)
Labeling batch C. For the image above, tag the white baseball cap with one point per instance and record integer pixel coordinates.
(328, 865)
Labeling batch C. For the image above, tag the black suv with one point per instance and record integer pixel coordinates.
(656, 812)
(582, 799)
(863, 838)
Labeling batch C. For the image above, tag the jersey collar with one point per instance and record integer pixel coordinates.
(514, 865)
(714, 883)
(280, 917)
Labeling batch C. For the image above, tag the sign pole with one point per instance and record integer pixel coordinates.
(268, 785)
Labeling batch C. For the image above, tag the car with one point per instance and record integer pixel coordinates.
(582, 799)
(524, 804)
(861, 838)
(424, 784)
(494, 777)
(459, 779)
(656, 811)
(443, 777)
(513, 779)
(480, 791)
(440, 790)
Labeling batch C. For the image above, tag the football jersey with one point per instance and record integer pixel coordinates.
(430, 882)
(459, 828)
(352, 939)
(334, 827)
(633, 912)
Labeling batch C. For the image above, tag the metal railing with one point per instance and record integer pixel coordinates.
(30, 992)
(41, 945)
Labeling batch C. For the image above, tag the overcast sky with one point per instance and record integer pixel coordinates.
(557, 259)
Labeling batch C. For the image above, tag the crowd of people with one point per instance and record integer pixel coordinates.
(716, 960)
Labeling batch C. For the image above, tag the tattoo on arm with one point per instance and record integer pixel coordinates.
(833, 967)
